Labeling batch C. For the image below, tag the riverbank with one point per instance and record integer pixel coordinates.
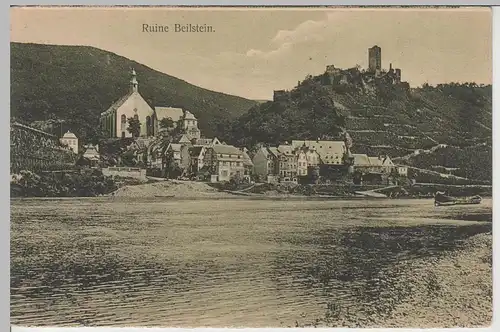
(193, 189)
(92, 183)
(454, 290)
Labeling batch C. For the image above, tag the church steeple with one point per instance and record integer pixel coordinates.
(134, 85)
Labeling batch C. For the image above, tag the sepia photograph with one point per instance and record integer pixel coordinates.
(251, 166)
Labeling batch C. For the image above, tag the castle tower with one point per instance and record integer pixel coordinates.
(134, 85)
(375, 59)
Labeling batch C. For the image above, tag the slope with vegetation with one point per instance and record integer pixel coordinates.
(75, 84)
(382, 116)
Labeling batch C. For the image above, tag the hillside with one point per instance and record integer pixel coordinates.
(382, 115)
(77, 83)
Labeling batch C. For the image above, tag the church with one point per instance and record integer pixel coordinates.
(114, 121)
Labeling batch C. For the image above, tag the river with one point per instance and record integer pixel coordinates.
(189, 263)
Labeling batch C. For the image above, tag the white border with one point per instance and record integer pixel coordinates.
(4, 146)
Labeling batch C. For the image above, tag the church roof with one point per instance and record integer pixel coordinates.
(117, 104)
(173, 113)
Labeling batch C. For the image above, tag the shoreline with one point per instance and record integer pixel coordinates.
(290, 197)
(175, 190)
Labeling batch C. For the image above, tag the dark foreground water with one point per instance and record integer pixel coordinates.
(130, 262)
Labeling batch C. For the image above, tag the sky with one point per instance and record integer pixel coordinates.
(252, 52)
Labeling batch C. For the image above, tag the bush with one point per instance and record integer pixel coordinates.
(87, 183)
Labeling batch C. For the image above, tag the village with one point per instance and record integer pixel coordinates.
(167, 143)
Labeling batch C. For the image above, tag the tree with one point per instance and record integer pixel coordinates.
(173, 170)
(134, 127)
(167, 123)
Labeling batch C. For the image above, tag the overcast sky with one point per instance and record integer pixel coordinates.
(253, 52)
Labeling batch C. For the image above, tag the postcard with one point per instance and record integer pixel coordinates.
(251, 167)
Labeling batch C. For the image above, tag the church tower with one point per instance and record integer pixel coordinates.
(134, 85)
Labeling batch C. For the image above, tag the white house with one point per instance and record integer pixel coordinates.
(70, 140)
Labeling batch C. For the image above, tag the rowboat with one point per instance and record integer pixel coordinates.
(443, 200)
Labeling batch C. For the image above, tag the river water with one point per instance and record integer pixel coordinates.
(220, 263)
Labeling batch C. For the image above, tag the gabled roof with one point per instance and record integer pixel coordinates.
(361, 159)
(173, 113)
(189, 116)
(184, 139)
(246, 159)
(387, 161)
(116, 105)
(375, 161)
(174, 147)
(195, 151)
(91, 151)
(274, 151)
(286, 149)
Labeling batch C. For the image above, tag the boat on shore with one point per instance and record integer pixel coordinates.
(444, 200)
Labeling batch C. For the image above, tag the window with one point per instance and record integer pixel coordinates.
(123, 118)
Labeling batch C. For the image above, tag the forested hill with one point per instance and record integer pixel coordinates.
(382, 115)
(77, 83)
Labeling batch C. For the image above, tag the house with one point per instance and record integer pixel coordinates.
(247, 164)
(264, 162)
(92, 154)
(196, 158)
(287, 162)
(173, 115)
(383, 164)
(330, 152)
(178, 118)
(70, 140)
(402, 170)
(177, 154)
(366, 164)
(139, 148)
(224, 162)
(306, 158)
